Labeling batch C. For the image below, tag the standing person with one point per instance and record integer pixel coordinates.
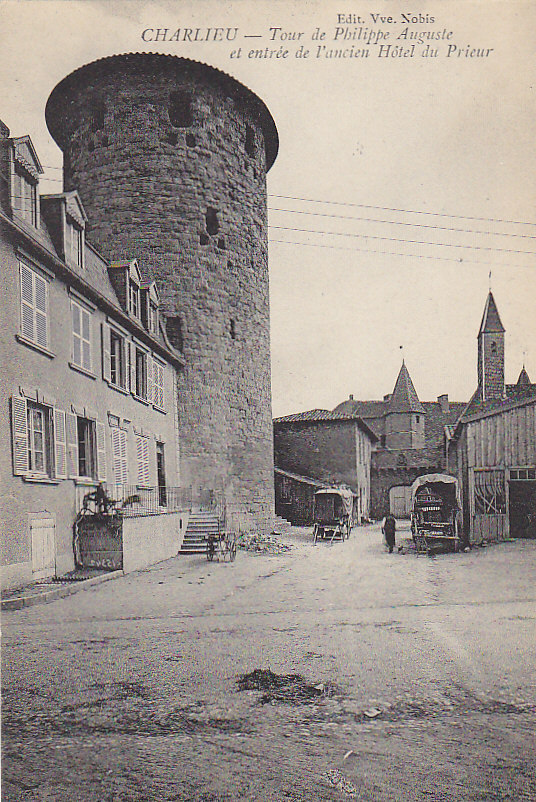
(389, 529)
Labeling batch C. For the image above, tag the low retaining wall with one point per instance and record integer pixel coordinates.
(149, 539)
(131, 542)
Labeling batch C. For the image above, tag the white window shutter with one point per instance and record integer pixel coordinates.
(26, 302)
(41, 290)
(101, 451)
(106, 353)
(19, 432)
(60, 444)
(132, 363)
(150, 378)
(86, 339)
(71, 428)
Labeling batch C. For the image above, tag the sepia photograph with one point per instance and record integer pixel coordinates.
(268, 400)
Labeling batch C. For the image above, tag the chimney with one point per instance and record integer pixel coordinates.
(387, 397)
(443, 401)
(351, 397)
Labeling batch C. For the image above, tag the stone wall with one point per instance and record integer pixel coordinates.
(325, 451)
(170, 160)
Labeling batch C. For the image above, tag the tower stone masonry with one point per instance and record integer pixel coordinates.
(170, 159)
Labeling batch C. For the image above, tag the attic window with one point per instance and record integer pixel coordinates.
(134, 298)
(180, 110)
(25, 196)
(250, 141)
(74, 243)
(211, 219)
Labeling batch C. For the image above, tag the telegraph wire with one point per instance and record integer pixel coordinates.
(403, 223)
(398, 239)
(404, 211)
(394, 253)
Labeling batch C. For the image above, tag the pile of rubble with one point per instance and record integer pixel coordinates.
(264, 544)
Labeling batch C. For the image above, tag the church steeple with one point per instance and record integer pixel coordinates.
(491, 352)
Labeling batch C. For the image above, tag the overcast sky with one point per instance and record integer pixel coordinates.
(407, 148)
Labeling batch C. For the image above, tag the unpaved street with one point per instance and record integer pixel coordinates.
(411, 678)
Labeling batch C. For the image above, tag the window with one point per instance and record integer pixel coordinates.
(117, 359)
(25, 196)
(81, 336)
(158, 384)
(134, 298)
(38, 431)
(86, 448)
(74, 244)
(39, 422)
(489, 493)
(141, 374)
(161, 474)
(34, 306)
(152, 318)
(142, 458)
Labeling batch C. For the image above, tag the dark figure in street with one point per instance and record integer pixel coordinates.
(389, 529)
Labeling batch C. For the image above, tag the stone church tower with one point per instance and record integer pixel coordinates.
(170, 159)
(491, 353)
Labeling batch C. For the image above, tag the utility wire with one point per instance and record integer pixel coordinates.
(405, 211)
(394, 253)
(398, 239)
(400, 223)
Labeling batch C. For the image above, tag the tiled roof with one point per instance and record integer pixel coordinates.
(325, 416)
(490, 319)
(404, 397)
(365, 409)
(299, 478)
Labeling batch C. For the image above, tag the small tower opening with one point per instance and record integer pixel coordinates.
(250, 141)
(211, 220)
(180, 110)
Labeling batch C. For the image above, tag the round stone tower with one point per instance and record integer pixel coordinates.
(170, 159)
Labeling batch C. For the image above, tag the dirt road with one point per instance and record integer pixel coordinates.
(371, 676)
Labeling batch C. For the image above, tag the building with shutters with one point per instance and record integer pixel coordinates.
(89, 376)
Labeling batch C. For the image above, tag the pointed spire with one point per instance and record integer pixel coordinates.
(523, 380)
(404, 397)
(490, 319)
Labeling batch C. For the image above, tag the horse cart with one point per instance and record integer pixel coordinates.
(434, 517)
(333, 513)
(221, 547)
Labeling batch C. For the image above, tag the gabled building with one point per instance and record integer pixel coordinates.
(493, 444)
(319, 448)
(88, 378)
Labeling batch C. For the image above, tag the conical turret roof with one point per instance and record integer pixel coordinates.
(523, 380)
(490, 319)
(404, 397)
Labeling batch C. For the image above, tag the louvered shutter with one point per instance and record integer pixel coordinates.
(19, 431)
(27, 302)
(77, 334)
(142, 458)
(132, 365)
(150, 382)
(41, 289)
(101, 451)
(71, 428)
(60, 444)
(119, 454)
(106, 353)
(86, 339)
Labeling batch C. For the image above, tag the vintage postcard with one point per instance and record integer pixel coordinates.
(268, 370)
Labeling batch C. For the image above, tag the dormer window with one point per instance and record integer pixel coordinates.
(152, 318)
(25, 196)
(74, 243)
(134, 298)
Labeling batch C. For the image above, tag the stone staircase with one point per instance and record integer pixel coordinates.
(201, 524)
